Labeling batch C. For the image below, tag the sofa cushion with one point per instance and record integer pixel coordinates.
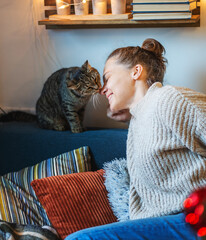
(18, 201)
(18, 141)
(76, 201)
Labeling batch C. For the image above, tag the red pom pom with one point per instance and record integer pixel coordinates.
(192, 218)
(201, 232)
(195, 206)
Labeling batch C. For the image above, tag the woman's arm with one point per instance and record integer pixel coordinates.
(183, 111)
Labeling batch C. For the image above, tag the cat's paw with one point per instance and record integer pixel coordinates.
(59, 128)
(77, 130)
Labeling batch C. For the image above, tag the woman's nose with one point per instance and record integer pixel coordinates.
(103, 90)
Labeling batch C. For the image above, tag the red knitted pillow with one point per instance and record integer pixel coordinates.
(75, 201)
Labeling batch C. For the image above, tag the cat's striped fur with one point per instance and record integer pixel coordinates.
(64, 96)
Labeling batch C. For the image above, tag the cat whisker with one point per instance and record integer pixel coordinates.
(95, 102)
(92, 100)
(95, 99)
(98, 99)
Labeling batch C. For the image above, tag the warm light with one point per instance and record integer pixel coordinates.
(192, 218)
(187, 203)
(68, 4)
(191, 201)
(201, 232)
(199, 209)
(63, 6)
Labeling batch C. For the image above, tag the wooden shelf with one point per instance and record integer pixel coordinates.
(128, 23)
(112, 23)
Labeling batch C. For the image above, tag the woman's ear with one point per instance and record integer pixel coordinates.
(137, 71)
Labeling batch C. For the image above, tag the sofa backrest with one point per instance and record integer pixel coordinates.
(25, 144)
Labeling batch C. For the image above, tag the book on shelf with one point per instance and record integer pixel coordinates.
(162, 16)
(164, 7)
(162, 1)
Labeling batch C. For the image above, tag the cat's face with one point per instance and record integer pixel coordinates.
(91, 83)
(87, 80)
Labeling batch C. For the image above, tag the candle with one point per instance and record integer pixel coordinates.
(63, 7)
(118, 6)
(99, 7)
(81, 7)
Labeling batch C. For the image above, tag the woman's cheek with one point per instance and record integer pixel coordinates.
(116, 105)
(113, 104)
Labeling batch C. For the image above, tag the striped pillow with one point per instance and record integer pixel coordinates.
(13, 231)
(18, 201)
(83, 196)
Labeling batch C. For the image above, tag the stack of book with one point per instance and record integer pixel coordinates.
(163, 9)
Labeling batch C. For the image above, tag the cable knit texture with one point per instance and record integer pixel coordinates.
(166, 150)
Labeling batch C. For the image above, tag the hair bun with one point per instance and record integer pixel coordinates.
(154, 46)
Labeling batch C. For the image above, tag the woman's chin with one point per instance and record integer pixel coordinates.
(114, 108)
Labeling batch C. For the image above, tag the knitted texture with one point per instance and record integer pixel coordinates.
(166, 150)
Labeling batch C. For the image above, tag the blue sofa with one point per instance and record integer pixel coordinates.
(25, 144)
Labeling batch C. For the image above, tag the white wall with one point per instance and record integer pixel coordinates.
(29, 54)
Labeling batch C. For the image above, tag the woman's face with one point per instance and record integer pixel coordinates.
(119, 86)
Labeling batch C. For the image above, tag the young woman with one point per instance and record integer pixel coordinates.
(166, 145)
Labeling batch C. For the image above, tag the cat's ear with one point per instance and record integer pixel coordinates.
(86, 66)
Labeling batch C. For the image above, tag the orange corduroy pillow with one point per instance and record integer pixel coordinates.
(75, 201)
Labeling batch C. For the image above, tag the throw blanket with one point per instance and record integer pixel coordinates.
(117, 185)
(13, 231)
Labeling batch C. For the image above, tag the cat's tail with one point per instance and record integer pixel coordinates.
(18, 116)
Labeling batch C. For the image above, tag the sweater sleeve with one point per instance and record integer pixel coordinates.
(201, 135)
(183, 111)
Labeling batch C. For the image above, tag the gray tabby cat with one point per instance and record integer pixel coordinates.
(65, 94)
(63, 99)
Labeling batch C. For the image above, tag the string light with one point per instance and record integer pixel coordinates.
(201, 232)
(191, 201)
(69, 4)
(192, 218)
(199, 210)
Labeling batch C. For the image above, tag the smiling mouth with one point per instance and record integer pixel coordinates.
(110, 96)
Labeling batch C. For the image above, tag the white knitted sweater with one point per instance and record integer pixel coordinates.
(166, 150)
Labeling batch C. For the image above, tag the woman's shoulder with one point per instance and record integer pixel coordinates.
(191, 95)
(173, 96)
